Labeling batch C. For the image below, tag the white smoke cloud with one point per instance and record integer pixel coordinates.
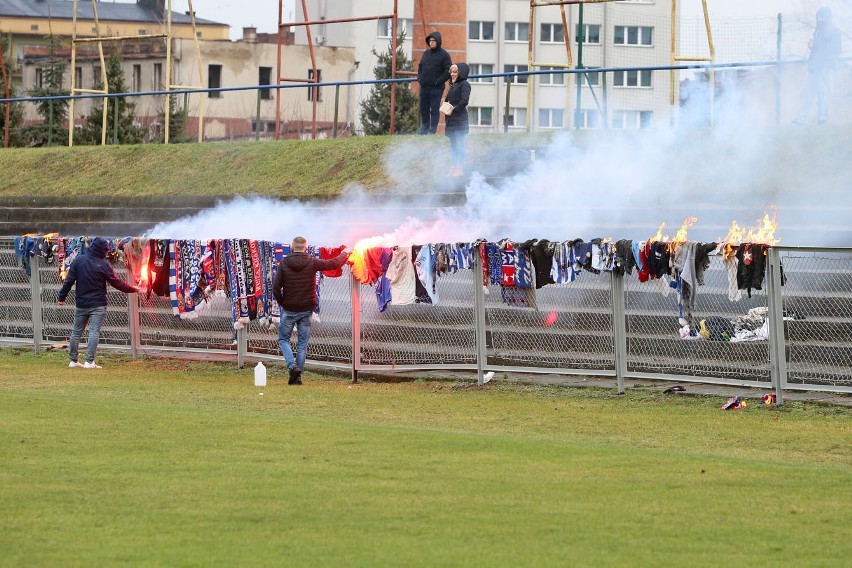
(619, 184)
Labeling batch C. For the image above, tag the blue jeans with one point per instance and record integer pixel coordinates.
(94, 318)
(430, 102)
(457, 149)
(302, 322)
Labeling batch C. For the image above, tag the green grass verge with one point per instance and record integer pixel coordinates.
(164, 462)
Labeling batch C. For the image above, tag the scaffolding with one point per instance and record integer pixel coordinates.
(307, 23)
(8, 105)
(674, 57)
(99, 41)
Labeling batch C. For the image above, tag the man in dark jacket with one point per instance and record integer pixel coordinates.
(295, 290)
(91, 272)
(433, 71)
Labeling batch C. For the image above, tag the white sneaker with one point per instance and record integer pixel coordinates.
(91, 365)
(73, 364)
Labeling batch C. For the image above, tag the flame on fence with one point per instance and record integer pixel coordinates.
(762, 233)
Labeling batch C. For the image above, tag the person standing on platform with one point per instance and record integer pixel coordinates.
(825, 55)
(457, 124)
(433, 71)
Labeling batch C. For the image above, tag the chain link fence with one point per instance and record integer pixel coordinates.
(573, 328)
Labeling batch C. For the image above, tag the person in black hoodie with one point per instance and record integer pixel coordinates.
(457, 124)
(433, 71)
(295, 290)
(91, 272)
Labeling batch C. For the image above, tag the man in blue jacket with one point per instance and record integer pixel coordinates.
(433, 72)
(91, 272)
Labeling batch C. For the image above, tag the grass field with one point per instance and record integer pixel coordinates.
(164, 462)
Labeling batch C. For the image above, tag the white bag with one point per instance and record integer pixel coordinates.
(446, 108)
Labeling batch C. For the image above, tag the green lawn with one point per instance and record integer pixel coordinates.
(163, 462)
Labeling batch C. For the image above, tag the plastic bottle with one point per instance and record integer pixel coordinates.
(260, 375)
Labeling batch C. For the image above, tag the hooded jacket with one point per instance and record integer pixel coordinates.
(294, 286)
(92, 272)
(825, 45)
(434, 67)
(459, 96)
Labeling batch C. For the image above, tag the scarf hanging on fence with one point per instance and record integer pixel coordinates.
(189, 284)
(160, 264)
(242, 260)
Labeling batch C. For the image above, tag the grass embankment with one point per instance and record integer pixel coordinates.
(162, 462)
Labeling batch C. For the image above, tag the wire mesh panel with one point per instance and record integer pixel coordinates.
(817, 300)
(421, 334)
(654, 342)
(331, 332)
(16, 316)
(567, 326)
(211, 330)
(59, 320)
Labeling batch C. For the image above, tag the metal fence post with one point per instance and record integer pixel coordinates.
(36, 305)
(619, 328)
(479, 322)
(777, 341)
(355, 294)
(133, 320)
(242, 346)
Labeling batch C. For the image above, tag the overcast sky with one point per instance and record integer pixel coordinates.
(263, 14)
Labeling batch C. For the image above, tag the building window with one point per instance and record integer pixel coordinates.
(589, 79)
(480, 116)
(141, 32)
(33, 27)
(39, 79)
(136, 79)
(517, 118)
(552, 79)
(517, 31)
(214, 80)
(482, 31)
(383, 27)
(516, 69)
(552, 33)
(632, 78)
(592, 35)
(588, 119)
(482, 69)
(264, 77)
(632, 119)
(551, 117)
(96, 75)
(633, 35)
(78, 77)
(318, 89)
(158, 77)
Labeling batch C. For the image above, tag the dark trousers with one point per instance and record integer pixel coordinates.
(430, 101)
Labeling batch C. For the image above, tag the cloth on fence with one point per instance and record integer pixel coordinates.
(563, 269)
(242, 260)
(160, 266)
(625, 262)
(187, 279)
(424, 265)
(402, 278)
(268, 310)
(751, 266)
(461, 256)
(383, 285)
(541, 256)
(326, 253)
(137, 259)
(420, 293)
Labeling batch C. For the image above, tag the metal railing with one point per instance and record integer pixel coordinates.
(600, 325)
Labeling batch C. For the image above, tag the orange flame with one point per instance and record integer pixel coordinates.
(762, 233)
(659, 236)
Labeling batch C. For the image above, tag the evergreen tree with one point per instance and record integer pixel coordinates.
(52, 130)
(375, 109)
(127, 132)
(178, 119)
(16, 112)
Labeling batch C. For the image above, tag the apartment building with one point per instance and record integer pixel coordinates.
(627, 33)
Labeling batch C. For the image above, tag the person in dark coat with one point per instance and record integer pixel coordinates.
(433, 71)
(457, 124)
(295, 290)
(825, 55)
(91, 272)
